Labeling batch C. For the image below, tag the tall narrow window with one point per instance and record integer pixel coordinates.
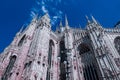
(63, 59)
(117, 44)
(21, 41)
(51, 45)
(87, 59)
(9, 68)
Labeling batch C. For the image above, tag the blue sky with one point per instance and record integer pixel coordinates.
(15, 13)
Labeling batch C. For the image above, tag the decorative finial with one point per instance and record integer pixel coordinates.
(61, 27)
(66, 21)
(87, 19)
(21, 29)
(61, 24)
(94, 20)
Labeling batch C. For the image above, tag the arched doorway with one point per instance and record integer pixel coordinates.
(88, 60)
(117, 44)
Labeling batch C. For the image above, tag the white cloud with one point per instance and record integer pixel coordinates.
(44, 9)
(55, 17)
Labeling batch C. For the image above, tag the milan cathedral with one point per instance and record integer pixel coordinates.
(38, 53)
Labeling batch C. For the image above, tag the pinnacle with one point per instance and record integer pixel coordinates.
(87, 19)
(61, 24)
(66, 21)
(94, 20)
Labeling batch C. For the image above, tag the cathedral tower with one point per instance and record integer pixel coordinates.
(38, 53)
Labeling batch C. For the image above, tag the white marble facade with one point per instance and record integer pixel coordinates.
(38, 53)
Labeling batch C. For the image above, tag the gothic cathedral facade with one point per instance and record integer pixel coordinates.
(38, 53)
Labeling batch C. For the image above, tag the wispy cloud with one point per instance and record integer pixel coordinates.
(48, 6)
(44, 9)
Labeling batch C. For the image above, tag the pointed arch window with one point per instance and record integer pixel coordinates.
(89, 69)
(83, 48)
(22, 41)
(117, 44)
(9, 68)
(51, 45)
(63, 59)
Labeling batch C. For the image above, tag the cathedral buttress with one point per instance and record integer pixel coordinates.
(102, 52)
